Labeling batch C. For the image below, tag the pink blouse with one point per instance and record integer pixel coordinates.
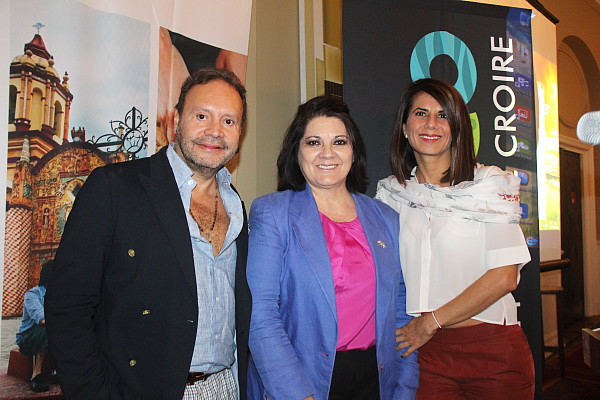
(355, 283)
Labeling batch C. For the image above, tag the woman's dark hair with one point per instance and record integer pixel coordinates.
(45, 273)
(462, 152)
(289, 174)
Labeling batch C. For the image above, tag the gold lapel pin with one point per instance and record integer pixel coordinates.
(379, 242)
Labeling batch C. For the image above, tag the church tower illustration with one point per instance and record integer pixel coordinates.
(39, 102)
(44, 169)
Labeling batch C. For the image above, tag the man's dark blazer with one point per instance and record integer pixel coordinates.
(121, 306)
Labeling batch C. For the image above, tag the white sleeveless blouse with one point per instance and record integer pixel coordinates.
(442, 255)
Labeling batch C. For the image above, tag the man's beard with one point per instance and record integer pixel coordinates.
(196, 162)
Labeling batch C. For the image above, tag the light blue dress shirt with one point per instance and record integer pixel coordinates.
(215, 276)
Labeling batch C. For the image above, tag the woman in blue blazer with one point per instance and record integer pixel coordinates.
(324, 272)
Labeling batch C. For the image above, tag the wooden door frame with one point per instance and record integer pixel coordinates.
(591, 278)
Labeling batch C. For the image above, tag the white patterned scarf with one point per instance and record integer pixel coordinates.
(493, 198)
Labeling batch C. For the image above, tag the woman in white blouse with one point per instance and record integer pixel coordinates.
(461, 251)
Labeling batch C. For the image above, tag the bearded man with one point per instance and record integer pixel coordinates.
(148, 297)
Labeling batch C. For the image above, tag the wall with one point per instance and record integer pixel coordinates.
(578, 59)
(273, 84)
(577, 33)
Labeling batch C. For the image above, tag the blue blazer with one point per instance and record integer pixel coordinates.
(293, 328)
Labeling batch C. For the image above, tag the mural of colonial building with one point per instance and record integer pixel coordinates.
(44, 172)
(40, 201)
(39, 104)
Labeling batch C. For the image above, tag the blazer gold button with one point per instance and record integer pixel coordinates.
(132, 363)
(145, 312)
(131, 252)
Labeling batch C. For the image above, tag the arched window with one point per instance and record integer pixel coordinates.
(12, 103)
(37, 109)
(58, 119)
